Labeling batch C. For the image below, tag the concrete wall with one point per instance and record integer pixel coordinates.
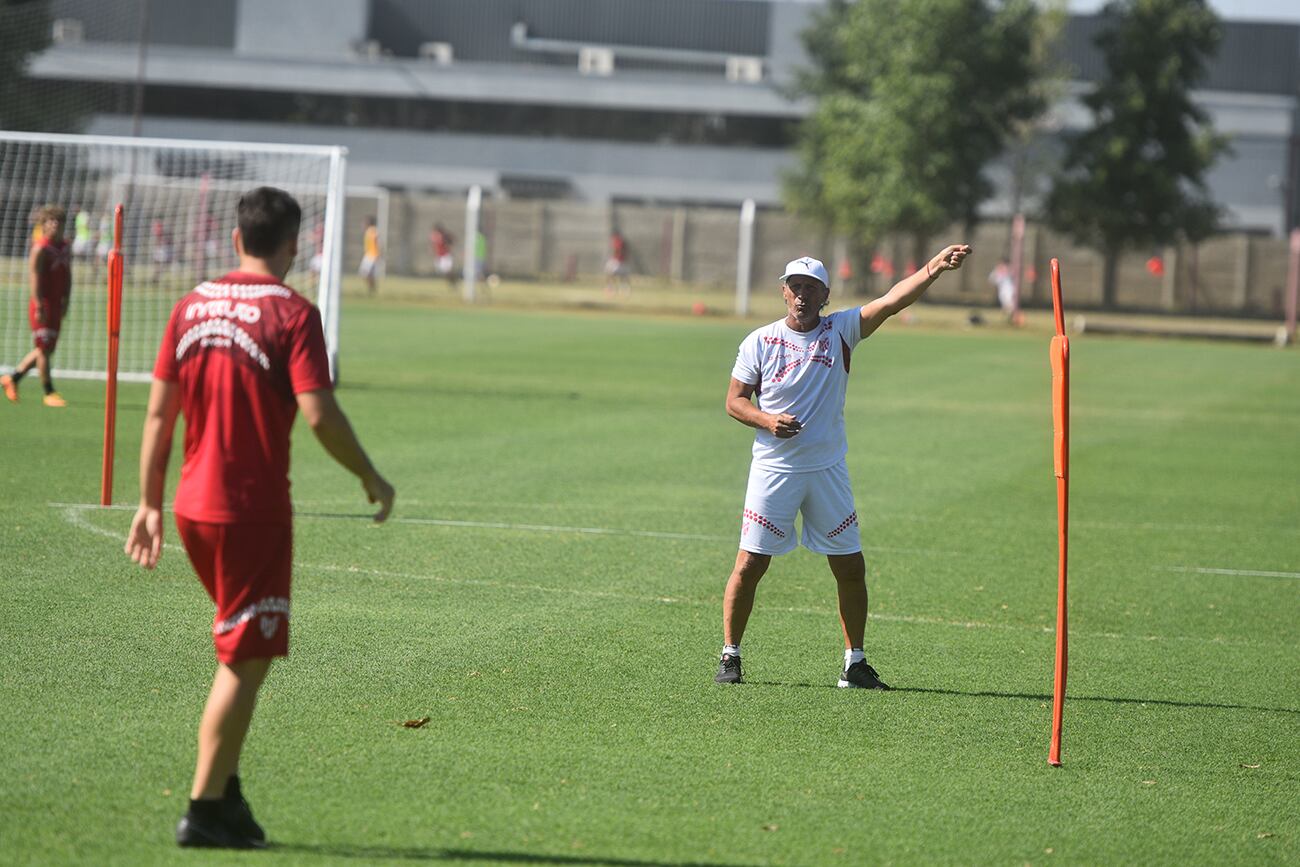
(1235, 274)
(309, 29)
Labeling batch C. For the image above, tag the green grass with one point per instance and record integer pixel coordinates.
(568, 674)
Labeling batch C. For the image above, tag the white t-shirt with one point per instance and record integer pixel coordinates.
(804, 374)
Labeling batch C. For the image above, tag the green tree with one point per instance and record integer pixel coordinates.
(1137, 177)
(24, 30)
(913, 99)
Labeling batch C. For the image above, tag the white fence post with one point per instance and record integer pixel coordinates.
(470, 272)
(745, 257)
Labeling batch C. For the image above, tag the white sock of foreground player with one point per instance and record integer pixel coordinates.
(851, 657)
(731, 650)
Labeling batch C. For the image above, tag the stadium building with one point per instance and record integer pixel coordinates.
(671, 102)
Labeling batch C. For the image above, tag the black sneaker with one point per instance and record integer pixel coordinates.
(237, 813)
(729, 670)
(860, 675)
(212, 832)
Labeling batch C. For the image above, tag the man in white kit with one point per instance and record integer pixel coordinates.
(798, 369)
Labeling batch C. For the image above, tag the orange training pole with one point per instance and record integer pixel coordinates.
(115, 271)
(1060, 354)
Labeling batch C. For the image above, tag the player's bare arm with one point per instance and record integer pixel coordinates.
(36, 269)
(909, 289)
(324, 415)
(145, 538)
(740, 406)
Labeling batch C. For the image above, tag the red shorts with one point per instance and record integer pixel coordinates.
(245, 568)
(45, 336)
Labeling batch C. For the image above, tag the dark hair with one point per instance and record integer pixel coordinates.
(52, 212)
(268, 217)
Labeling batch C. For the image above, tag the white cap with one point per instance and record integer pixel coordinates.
(808, 267)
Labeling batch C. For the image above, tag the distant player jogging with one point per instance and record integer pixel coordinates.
(49, 268)
(797, 370)
(240, 357)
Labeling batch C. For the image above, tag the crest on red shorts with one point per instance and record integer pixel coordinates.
(269, 623)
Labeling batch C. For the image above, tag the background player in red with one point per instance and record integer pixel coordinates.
(440, 241)
(240, 356)
(50, 270)
(616, 265)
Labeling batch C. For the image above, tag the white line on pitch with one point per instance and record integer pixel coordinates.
(1205, 570)
(539, 528)
(74, 514)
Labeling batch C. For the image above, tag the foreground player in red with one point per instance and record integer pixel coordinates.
(50, 268)
(240, 356)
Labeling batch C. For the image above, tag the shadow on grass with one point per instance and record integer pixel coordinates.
(420, 853)
(1024, 696)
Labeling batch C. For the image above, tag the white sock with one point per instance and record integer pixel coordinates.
(853, 656)
(731, 650)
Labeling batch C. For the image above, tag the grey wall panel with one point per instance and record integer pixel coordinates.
(1254, 57)
(480, 29)
(205, 23)
(310, 29)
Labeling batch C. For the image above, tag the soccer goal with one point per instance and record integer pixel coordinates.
(179, 201)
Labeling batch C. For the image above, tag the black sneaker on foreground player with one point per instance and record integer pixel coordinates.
(729, 670)
(211, 824)
(238, 814)
(860, 675)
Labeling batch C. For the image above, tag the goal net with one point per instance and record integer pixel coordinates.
(179, 199)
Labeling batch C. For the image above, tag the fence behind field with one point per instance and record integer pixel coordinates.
(566, 241)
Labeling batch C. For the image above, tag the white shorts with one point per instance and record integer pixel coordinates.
(830, 520)
(445, 264)
(369, 265)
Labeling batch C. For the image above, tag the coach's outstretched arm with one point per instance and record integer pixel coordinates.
(907, 290)
(323, 413)
(145, 538)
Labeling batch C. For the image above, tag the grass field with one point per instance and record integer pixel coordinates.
(548, 594)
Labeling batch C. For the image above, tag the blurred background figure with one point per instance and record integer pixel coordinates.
(440, 242)
(164, 249)
(370, 259)
(1005, 282)
(616, 275)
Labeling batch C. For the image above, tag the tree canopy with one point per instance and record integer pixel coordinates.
(1137, 176)
(913, 99)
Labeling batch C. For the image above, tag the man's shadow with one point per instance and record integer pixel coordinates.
(1024, 696)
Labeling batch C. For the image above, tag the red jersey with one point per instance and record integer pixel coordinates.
(440, 246)
(54, 284)
(241, 348)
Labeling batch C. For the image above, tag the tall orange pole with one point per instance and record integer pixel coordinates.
(115, 272)
(1060, 356)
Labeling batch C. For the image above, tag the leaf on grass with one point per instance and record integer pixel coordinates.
(771, 827)
(1263, 834)
(1252, 767)
(1148, 782)
(416, 723)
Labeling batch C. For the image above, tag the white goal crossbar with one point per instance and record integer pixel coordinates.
(179, 198)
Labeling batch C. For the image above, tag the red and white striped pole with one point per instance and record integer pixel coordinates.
(115, 271)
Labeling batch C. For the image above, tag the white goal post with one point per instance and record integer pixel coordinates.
(179, 198)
